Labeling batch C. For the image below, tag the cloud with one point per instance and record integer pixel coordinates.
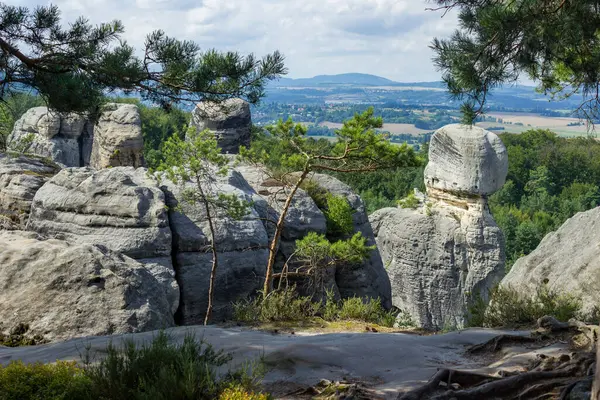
(383, 37)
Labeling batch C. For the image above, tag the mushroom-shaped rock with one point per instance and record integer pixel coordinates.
(230, 121)
(447, 252)
(466, 159)
(118, 139)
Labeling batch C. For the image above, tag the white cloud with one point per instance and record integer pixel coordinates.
(382, 37)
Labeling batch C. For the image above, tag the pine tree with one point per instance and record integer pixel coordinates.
(73, 68)
(553, 42)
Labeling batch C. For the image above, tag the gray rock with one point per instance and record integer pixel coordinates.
(118, 139)
(230, 121)
(64, 290)
(447, 252)
(439, 261)
(466, 159)
(55, 135)
(241, 246)
(20, 178)
(121, 208)
(567, 260)
(370, 279)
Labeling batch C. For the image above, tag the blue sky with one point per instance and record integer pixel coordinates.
(382, 37)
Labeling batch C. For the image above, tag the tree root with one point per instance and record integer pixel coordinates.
(536, 384)
(499, 342)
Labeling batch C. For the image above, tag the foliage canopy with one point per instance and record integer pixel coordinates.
(38, 52)
(555, 43)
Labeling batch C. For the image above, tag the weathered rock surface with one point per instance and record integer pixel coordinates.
(466, 159)
(567, 260)
(241, 245)
(64, 290)
(121, 208)
(20, 178)
(230, 121)
(448, 251)
(370, 279)
(59, 137)
(118, 139)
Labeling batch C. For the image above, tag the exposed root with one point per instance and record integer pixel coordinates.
(499, 342)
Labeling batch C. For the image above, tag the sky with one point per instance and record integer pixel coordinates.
(388, 38)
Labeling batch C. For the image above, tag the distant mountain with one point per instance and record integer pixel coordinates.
(351, 79)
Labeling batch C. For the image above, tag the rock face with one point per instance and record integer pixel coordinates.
(121, 208)
(567, 260)
(242, 246)
(59, 137)
(71, 140)
(368, 280)
(466, 159)
(231, 122)
(63, 290)
(118, 138)
(446, 252)
(20, 178)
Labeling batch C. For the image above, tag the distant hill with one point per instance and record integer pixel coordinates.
(350, 79)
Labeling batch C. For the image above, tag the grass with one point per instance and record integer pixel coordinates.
(509, 308)
(158, 371)
(287, 307)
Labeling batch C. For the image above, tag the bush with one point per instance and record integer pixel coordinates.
(409, 201)
(510, 308)
(60, 381)
(287, 306)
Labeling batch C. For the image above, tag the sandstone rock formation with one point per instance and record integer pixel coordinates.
(71, 140)
(63, 138)
(121, 208)
(368, 280)
(242, 246)
(567, 261)
(63, 290)
(448, 251)
(20, 178)
(230, 121)
(118, 137)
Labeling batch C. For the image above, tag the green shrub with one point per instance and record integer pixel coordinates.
(287, 306)
(339, 216)
(279, 305)
(159, 370)
(60, 381)
(409, 201)
(510, 308)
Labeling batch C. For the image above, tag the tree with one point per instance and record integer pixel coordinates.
(11, 109)
(553, 42)
(357, 148)
(73, 68)
(195, 163)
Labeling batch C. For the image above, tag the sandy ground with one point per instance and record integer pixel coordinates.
(391, 363)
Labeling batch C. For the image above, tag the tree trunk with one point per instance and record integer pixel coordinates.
(268, 286)
(213, 248)
(596, 385)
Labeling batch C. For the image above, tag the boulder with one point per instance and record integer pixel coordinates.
(241, 246)
(467, 159)
(567, 261)
(57, 136)
(62, 289)
(447, 252)
(118, 139)
(121, 208)
(230, 121)
(20, 178)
